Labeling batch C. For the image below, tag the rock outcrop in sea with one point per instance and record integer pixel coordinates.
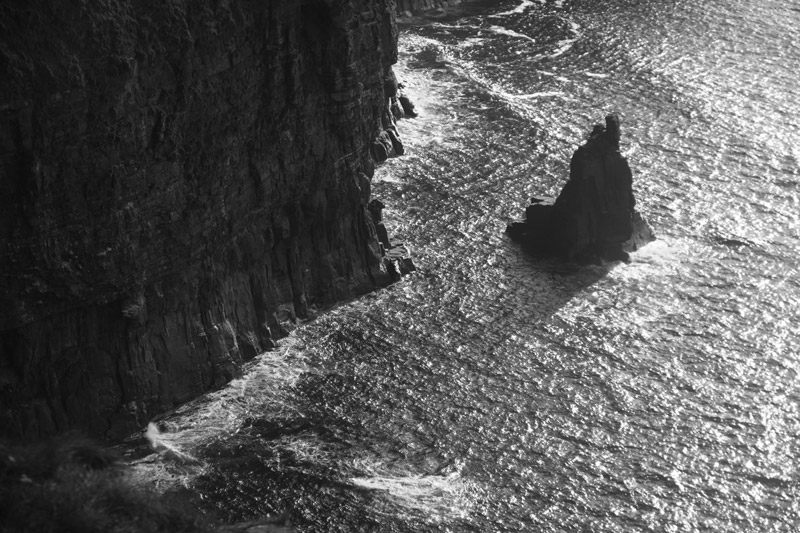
(595, 217)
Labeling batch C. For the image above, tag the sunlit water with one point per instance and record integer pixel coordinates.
(491, 391)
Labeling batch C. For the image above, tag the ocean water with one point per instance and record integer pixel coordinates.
(492, 391)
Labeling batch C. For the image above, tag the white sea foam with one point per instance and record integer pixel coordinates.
(260, 392)
(543, 94)
(511, 33)
(519, 9)
(438, 498)
(165, 445)
(564, 45)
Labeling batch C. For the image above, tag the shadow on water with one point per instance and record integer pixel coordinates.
(250, 476)
(381, 428)
(389, 395)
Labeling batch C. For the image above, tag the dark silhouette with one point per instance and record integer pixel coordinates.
(594, 218)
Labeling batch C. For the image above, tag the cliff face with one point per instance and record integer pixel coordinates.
(179, 181)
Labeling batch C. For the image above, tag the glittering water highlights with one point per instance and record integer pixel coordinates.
(491, 391)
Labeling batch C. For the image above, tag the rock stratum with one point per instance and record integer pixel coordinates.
(594, 218)
(180, 182)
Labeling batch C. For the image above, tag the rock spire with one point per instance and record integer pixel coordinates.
(594, 218)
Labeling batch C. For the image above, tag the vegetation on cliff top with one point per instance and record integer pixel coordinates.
(71, 484)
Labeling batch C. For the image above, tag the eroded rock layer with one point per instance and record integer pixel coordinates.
(180, 181)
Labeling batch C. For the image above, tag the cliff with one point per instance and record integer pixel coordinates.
(179, 181)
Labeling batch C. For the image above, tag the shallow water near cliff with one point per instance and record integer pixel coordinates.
(491, 391)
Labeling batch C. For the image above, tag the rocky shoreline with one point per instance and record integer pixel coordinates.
(166, 221)
(183, 191)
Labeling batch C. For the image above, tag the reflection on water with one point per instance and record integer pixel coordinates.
(491, 391)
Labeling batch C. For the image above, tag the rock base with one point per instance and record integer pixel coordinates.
(398, 261)
(548, 230)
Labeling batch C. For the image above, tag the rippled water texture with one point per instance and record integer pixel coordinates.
(491, 391)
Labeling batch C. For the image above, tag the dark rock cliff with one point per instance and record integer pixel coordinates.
(178, 182)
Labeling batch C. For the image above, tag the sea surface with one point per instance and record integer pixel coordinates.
(491, 391)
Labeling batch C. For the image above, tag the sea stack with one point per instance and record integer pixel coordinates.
(594, 219)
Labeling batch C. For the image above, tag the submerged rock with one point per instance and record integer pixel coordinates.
(594, 218)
